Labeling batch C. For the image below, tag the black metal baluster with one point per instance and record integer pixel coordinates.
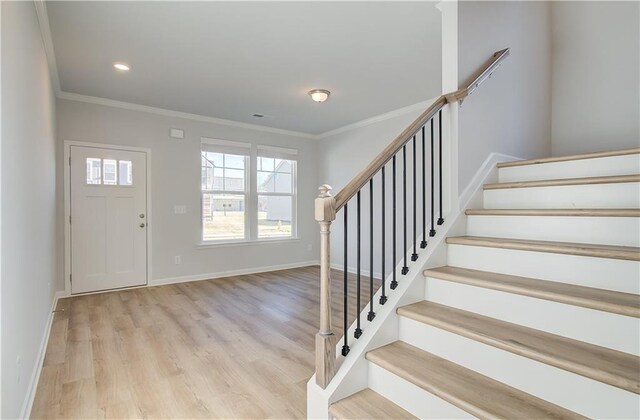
(371, 314)
(414, 256)
(440, 219)
(423, 243)
(383, 297)
(345, 346)
(432, 232)
(405, 268)
(358, 332)
(394, 281)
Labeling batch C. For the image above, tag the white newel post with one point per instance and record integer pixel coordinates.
(325, 213)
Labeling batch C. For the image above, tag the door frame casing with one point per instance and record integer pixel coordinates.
(67, 207)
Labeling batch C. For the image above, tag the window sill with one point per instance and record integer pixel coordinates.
(221, 244)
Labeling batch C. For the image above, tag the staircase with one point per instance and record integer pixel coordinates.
(536, 312)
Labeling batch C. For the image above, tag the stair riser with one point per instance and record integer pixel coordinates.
(583, 168)
(574, 392)
(412, 398)
(605, 329)
(595, 196)
(624, 231)
(603, 273)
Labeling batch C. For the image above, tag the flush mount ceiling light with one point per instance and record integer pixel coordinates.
(319, 95)
(121, 66)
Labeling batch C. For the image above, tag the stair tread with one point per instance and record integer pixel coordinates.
(472, 392)
(569, 158)
(570, 248)
(555, 212)
(609, 366)
(564, 182)
(367, 404)
(587, 297)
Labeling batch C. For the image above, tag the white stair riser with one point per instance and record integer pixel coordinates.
(574, 392)
(602, 273)
(582, 168)
(601, 328)
(412, 398)
(624, 231)
(595, 196)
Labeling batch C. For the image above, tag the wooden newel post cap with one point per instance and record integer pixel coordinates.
(325, 190)
(325, 208)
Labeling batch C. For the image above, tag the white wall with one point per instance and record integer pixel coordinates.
(596, 76)
(28, 201)
(175, 180)
(510, 113)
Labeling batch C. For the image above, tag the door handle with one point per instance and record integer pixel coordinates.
(142, 225)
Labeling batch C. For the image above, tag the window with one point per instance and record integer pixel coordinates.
(224, 191)
(247, 193)
(109, 172)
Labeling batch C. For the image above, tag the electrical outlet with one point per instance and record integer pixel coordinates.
(177, 260)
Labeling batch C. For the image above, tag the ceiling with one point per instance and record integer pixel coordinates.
(233, 59)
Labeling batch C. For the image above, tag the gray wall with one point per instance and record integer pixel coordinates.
(175, 180)
(596, 76)
(28, 200)
(510, 113)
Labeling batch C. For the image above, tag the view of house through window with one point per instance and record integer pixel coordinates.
(223, 196)
(109, 172)
(231, 208)
(275, 197)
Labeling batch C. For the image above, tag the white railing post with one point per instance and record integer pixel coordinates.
(325, 213)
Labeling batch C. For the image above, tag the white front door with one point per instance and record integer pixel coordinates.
(108, 219)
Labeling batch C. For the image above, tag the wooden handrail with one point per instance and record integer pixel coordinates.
(326, 207)
(483, 74)
(392, 148)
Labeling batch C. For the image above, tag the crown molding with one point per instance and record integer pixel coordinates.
(45, 31)
(420, 106)
(47, 40)
(178, 114)
(202, 118)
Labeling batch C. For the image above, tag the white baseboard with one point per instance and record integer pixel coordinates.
(25, 413)
(229, 273)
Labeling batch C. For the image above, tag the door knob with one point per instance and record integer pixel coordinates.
(141, 225)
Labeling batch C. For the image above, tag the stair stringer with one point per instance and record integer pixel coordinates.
(352, 371)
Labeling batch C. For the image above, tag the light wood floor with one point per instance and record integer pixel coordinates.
(238, 347)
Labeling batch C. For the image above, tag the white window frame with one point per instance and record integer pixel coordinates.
(287, 154)
(250, 189)
(231, 148)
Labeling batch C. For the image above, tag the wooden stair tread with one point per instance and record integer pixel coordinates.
(587, 297)
(367, 404)
(612, 367)
(564, 182)
(570, 248)
(555, 212)
(570, 157)
(472, 392)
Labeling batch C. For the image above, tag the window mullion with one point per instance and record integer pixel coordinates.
(252, 195)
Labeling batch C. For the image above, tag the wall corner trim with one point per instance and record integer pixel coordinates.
(47, 40)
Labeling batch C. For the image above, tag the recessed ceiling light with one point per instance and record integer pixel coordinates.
(319, 95)
(121, 66)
